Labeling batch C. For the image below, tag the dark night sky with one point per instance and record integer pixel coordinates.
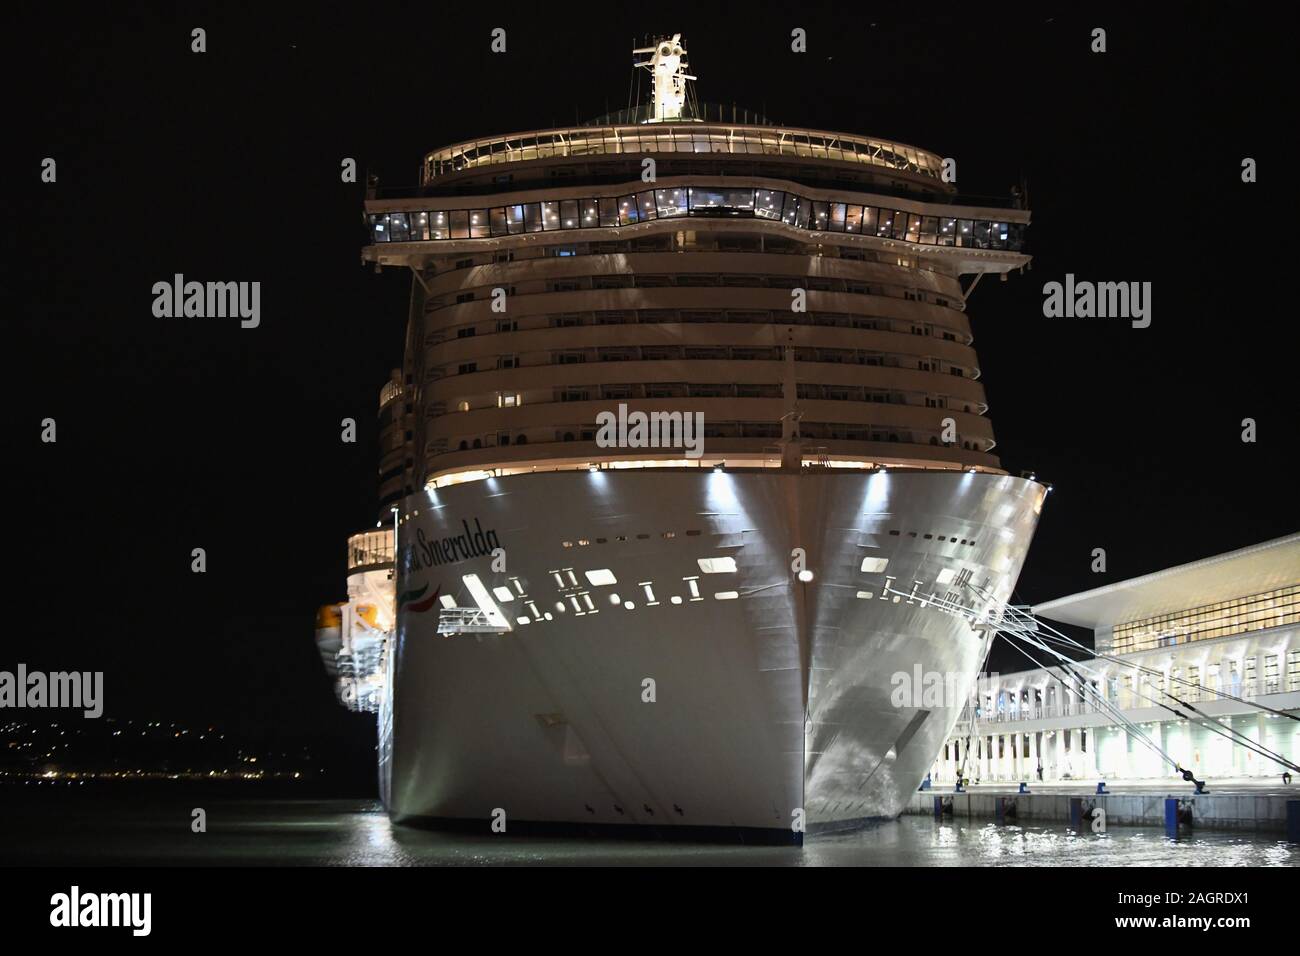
(184, 433)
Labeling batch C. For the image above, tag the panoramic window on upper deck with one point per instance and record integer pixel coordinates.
(699, 201)
(671, 202)
(397, 227)
(768, 203)
(718, 201)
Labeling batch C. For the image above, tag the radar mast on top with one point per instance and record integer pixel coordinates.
(667, 64)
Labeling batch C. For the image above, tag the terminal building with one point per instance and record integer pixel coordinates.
(1221, 635)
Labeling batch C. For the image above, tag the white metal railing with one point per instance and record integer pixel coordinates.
(680, 138)
(370, 548)
(466, 620)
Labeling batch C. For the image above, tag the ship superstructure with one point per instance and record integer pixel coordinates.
(595, 627)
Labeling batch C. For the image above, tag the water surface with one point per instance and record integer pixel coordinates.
(155, 829)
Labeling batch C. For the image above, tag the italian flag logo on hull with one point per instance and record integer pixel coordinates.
(415, 601)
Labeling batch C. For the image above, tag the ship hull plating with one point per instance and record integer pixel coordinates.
(687, 711)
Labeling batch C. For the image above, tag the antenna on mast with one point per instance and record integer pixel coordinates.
(667, 64)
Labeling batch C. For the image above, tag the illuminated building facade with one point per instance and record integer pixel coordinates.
(1222, 635)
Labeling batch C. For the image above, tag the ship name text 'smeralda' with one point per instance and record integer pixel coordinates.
(427, 552)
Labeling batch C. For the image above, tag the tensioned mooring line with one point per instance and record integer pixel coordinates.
(1012, 621)
(1055, 636)
(1019, 622)
(1022, 624)
(970, 732)
(1104, 704)
(1025, 625)
(1202, 719)
(1030, 628)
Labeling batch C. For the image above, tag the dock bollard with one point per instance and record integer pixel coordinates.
(938, 808)
(1076, 813)
(1024, 787)
(1171, 817)
(1101, 787)
(1293, 820)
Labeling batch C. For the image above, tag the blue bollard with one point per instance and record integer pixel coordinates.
(1024, 787)
(1101, 788)
(1171, 817)
(1293, 820)
(1076, 813)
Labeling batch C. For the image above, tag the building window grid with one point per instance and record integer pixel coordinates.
(1270, 675)
(1239, 615)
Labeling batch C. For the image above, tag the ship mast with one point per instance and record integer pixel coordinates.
(667, 64)
(791, 444)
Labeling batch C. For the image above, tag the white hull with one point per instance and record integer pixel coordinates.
(775, 701)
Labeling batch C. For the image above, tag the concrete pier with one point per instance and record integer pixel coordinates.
(1227, 807)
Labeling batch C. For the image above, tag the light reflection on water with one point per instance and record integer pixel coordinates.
(358, 833)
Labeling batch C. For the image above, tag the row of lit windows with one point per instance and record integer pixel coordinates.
(676, 353)
(598, 141)
(600, 282)
(1209, 683)
(587, 393)
(766, 245)
(1254, 613)
(830, 431)
(711, 201)
(838, 320)
(603, 281)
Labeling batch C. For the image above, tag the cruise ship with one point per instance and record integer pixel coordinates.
(686, 462)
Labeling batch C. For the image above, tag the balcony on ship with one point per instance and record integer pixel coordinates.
(370, 551)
